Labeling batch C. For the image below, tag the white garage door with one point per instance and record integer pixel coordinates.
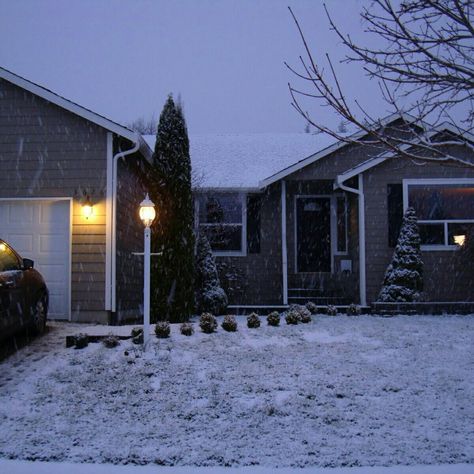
(40, 230)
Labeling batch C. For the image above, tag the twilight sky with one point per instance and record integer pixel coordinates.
(225, 57)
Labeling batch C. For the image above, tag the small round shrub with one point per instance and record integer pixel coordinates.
(273, 319)
(253, 321)
(111, 341)
(162, 329)
(137, 335)
(229, 324)
(187, 329)
(292, 317)
(305, 315)
(207, 323)
(331, 310)
(81, 341)
(353, 310)
(311, 307)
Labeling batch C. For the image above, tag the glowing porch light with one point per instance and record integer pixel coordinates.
(147, 211)
(88, 208)
(459, 240)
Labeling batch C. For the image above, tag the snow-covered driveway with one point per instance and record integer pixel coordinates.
(338, 392)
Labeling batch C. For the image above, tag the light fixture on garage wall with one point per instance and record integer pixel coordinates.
(87, 208)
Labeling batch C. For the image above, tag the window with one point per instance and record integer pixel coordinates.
(341, 224)
(444, 208)
(8, 260)
(221, 218)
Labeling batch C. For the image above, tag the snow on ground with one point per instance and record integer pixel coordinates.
(341, 391)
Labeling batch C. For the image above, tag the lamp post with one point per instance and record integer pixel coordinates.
(147, 215)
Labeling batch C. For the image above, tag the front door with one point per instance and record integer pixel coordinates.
(313, 234)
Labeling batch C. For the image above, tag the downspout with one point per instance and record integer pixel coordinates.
(117, 157)
(361, 210)
(284, 255)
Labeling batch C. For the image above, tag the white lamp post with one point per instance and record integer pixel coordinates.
(147, 215)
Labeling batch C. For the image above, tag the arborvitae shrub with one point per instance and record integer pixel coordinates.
(311, 307)
(81, 341)
(229, 324)
(210, 297)
(253, 321)
(403, 281)
(137, 335)
(331, 310)
(162, 329)
(353, 310)
(111, 341)
(187, 329)
(292, 317)
(207, 323)
(273, 319)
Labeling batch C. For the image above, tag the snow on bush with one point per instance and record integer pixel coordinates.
(162, 329)
(331, 310)
(210, 297)
(207, 323)
(292, 317)
(403, 280)
(111, 341)
(187, 329)
(305, 315)
(273, 319)
(137, 335)
(81, 341)
(353, 310)
(229, 324)
(311, 307)
(253, 321)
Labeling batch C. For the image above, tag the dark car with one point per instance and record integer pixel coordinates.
(23, 294)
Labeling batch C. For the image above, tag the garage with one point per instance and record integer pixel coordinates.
(40, 230)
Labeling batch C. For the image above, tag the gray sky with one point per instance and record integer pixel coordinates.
(225, 57)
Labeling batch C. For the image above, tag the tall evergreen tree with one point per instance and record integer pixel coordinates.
(173, 271)
(403, 280)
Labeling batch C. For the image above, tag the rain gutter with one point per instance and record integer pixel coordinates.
(362, 261)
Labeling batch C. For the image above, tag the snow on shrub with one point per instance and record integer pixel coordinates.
(162, 329)
(273, 319)
(207, 323)
(253, 321)
(403, 280)
(292, 317)
(81, 341)
(305, 314)
(137, 335)
(111, 341)
(210, 297)
(311, 307)
(187, 329)
(331, 310)
(353, 310)
(229, 324)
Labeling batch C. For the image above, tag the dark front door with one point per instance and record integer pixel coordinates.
(313, 234)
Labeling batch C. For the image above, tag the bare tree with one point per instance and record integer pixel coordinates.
(144, 126)
(423, 64)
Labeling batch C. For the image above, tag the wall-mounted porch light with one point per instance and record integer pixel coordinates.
(459, 239)
(87, 208)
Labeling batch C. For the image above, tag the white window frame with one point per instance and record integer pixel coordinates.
(243, 200)
(332, 221)
(437, 181)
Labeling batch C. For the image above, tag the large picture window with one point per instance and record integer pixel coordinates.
(221, 218)
(444, 208)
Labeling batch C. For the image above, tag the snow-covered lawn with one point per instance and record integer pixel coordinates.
(340, 391)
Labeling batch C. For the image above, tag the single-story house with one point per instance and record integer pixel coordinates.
(300, 217)
(56, 157)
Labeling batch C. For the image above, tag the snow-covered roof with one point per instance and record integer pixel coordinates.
(245, 160)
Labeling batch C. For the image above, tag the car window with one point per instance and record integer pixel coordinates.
(8, 260)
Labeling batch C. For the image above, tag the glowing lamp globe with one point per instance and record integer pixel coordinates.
(147, 211)
(87, 208)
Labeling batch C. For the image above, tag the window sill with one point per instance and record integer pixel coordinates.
(437, 248)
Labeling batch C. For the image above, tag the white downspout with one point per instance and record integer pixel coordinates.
(117, 157)
(362, 262)
(284, 254)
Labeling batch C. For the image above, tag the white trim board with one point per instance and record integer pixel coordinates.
(77, 109)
